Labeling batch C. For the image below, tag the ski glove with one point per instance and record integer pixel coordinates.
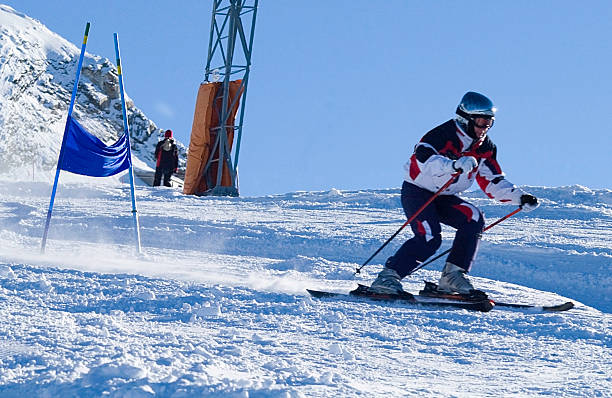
(465, 164)
(529, 202)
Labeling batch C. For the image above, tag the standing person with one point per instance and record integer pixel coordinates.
(459, 146)
(166, 153)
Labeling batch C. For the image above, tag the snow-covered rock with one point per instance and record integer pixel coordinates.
(36, 82)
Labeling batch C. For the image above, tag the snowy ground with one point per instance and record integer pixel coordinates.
(216, 305)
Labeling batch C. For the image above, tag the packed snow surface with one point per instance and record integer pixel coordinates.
(217, 305)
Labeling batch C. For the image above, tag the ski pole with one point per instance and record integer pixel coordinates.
(435, 195)
(448, 251)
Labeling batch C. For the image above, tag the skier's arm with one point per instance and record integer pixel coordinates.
(430, 162)
(493, 181)
(175, 158)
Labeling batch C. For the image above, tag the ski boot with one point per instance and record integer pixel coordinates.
(387, 282)
(454, 282)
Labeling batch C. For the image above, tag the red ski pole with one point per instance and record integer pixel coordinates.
(448, 251)
(435, 195)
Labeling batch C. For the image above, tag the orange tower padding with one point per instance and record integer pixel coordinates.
(205, 118)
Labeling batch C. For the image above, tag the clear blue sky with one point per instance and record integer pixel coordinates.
(340, 91)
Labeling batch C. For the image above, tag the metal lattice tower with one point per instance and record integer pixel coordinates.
(229, 58)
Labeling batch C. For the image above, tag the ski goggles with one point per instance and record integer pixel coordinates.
(485, 123)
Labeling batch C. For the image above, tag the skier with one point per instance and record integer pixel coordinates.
(460, 145)
(166, 153)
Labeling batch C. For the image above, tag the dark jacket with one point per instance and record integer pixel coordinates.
(166, 153)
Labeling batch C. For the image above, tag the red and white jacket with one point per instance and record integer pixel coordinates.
(431, 164)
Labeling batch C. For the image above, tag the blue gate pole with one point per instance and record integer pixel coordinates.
(61, 154)
(127, 133)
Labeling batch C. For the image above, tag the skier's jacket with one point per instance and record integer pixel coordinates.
(166, 153)
(431, 164)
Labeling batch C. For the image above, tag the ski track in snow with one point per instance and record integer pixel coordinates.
(216, 305)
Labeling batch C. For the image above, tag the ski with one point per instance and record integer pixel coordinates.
(362, 293)
(431, 291)
(548, 308)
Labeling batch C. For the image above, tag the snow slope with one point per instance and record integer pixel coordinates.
(217, 306)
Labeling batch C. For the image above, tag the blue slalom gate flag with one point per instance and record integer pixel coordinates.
(85, 154)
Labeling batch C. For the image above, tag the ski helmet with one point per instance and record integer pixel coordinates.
(475, 105)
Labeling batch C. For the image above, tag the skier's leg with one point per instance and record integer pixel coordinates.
(157, 178)
(167, 178)
(469, 222)
(426, 228)
(426, 241)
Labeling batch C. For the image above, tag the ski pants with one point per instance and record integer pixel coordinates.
(446, 209)
(167, 173)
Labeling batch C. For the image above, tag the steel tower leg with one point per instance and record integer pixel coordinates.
(229, 58)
